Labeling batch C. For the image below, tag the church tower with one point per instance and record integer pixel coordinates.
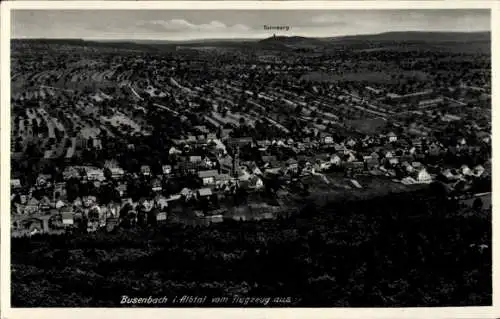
(236, 161)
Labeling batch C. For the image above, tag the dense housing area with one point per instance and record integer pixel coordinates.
(253, 156)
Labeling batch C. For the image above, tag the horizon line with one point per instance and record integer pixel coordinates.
(248, 38)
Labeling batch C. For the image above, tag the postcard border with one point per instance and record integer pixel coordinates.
(454, 312)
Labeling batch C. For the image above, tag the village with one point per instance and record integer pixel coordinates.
(136, 140)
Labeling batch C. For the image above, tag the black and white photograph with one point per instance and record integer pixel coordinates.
(250, 158)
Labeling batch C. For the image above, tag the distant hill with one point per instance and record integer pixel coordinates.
(414, 40)
(476, 42)
(195, 41)
(418, 36)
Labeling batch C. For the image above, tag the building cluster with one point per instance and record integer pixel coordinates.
(234, 123)
(222, 169)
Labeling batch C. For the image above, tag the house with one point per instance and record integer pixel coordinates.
(207, 162)
(299, 146)
(375, 155)
(321, 163)
(486, 139)
(191, 139)
(174, 151)
(160, 202)
(60, 204)
(145, 170)
(416, 165)
(36, 225)
(70, 172)
(97, 144)
(407, 167)
(208, 177)
(351, 142)
(393, 161)
(122, 189)
(194, 159)
(423, 176)
(186, 193)
(241, 141)
(434, 149)
(113, 209)
(465, 170)
(281, 143)
(45, 203)
(23, 199)
(449, 175)
(95, 174)
(340, 148)
(292, 165)
(17, 208)
(161, 217)
(392, 137)
(43, 180)
(187, 167)
(328, 139)
(166, 169)
(156, 185)
(263, 145)
(15, 183)
(77, 202)
(88, 201)
(31, 206)
(222, 179)
(226, 162)
(417, 143)
(256, 182)
(147, 204)
(225, 133)
(273, 168)
(116, 172)
(253, 183)
(408, 180)
(355, 166)
(204, 192)
(307, 168)
(478, 170)
(211, 137)
(269, 159)
(68, 219)
(335, 160)
(371, 162)
(253, 168)
(391, 172)
(110, 163)
(243, 174)
(349, 157)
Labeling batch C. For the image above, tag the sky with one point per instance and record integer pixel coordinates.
(213, 24)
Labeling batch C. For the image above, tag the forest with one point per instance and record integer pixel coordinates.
(402, 250)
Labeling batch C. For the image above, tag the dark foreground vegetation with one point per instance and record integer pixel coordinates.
(401, 250)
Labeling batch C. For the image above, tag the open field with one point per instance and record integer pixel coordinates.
(382, 77)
